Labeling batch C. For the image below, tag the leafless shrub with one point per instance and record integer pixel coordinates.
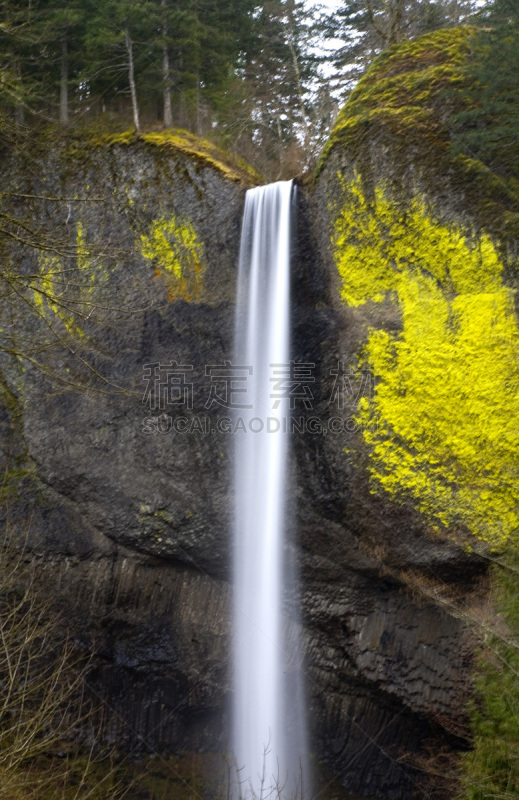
(42, 698)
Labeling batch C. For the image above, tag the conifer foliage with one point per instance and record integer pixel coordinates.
(244, 72)
(488, 127)
(361, 29)
(236, 69)
(67, 58)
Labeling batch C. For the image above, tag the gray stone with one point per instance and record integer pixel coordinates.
(133, 528)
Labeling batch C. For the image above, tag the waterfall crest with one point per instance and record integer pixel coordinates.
(268, 732)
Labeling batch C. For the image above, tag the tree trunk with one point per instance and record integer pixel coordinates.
(63, 85)
(198, 114)
(299, 93)
(455, 13)
(168, 114)
(131, 78)
(396, 22)
(371, 13)
(166, 73)
(19, 110)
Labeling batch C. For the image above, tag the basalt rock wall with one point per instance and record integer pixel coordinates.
(128, 519)
(418, 247)
(116, 445)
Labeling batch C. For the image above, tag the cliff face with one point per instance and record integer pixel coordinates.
(116, 431)
(419, 248)
(128, 518)
(153, 235)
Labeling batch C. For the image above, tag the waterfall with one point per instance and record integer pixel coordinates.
(268, 731)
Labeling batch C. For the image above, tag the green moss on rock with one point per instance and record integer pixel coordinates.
(181, 141)
(405, 90)
(400, 120)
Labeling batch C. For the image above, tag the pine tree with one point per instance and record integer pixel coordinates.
(167, 54)
(19, 87)
(46, 36)
(226, 33)
(238, 69)
(366, 27)
(63, 21)
(270, 118)
(119, 34)
(488, 127)
(165, 27)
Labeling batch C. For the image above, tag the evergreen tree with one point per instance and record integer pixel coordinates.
(226, 33)
(119, 36)
(171, 64)
(488, 127)
(270, 118)
(43, 38)
(19, 86)
(58, 31)
(366, 27)
(239, 69)
(172, 53)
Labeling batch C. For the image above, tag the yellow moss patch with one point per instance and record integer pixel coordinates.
(57, 285)
(447, 398)
(121, 137)
(178, 255)
(375, 243)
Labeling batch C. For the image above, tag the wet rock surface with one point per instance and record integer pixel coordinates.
(130, 515)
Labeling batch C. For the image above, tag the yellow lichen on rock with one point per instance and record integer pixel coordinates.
(178, 256)
(447, 396)
(53, 288)
(375, 242)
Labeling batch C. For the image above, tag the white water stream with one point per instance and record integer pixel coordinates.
(268, 731)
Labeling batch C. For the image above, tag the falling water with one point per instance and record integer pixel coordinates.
(268, 733)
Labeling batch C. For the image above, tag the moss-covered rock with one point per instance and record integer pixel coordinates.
(405, 91)
(398, 125)
(431, 276)
(419, 246)
(197, 148)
